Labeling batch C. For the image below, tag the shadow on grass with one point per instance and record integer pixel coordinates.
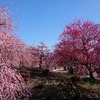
(63, 92)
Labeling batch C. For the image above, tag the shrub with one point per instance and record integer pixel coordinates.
(75, 79)
(45, 71)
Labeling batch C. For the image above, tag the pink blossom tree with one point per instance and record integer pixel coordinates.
(11, 48)
(11, 82)
(33, 56)
(42, 51)
(10, 45)
(78, 43)
(48, 59)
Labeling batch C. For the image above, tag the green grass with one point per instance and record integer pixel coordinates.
(90, 84)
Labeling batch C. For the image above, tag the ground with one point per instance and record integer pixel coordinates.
(58, 86)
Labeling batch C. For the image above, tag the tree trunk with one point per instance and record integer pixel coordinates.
(40, 63)
(91, 75)
(64, 68)
(90, 72)
(71, 70)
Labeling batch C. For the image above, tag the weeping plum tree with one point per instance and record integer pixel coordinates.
(10, 48)
(10, 45)
(78, 45)
(11, 82)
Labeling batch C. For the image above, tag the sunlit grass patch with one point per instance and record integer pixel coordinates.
(94, 84)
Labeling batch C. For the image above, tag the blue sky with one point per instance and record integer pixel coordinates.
(45, 20)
